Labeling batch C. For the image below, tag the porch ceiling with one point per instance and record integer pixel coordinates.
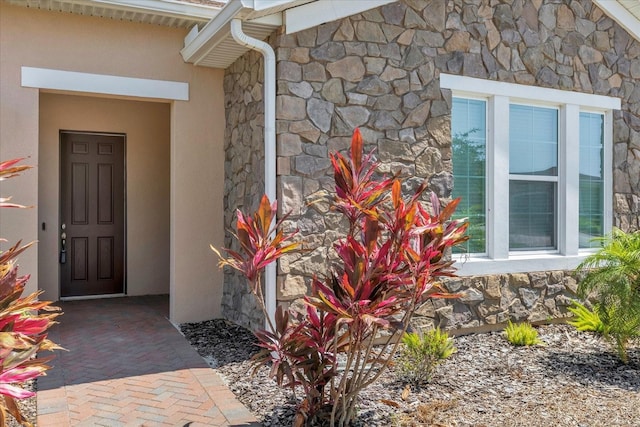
(169, 13)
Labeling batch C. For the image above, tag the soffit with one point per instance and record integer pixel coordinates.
(633, 6)
(169, 13)
(214, 46)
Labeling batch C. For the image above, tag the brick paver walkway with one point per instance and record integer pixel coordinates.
(126, 365)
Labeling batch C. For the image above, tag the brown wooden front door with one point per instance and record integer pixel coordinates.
(92, 214)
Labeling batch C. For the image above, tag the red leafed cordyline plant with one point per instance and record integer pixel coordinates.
(392, 257)
(23, 322)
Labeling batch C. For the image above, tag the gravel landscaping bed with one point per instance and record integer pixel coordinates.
(27, 406)
(574, 379)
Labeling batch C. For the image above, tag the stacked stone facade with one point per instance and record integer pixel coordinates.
(244, 172)
(379, 71)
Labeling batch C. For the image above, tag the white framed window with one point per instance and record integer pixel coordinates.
(534, 169)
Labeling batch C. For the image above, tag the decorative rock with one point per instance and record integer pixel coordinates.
(314, 72)
(290, 108)
(299, 55)
(472, 296)
(392, 73)
(428, 38)
(290, 194)
(332, 91)
(406, 38)
(373, 86)
(528, 296)
(345, 32)
(429, 162)
(374, 65)
(289, 144)
(493, 287)
(503, 17)
(440, 130)
(291, 287)
(306, 130)
(442, 184)
(329, 51)
(589, 55)
(394, 150)
(369, 32)
(418, 116)
(350, 68)
(388, 102)
(302, 89)
(311, 166)
(357, 98)
(289, 71)
(435, 15)
(355, 116)
(319, 113)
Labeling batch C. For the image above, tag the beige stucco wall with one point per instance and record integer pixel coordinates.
(60, 41)
(146, 125)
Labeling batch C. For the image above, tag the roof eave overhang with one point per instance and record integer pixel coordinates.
(213, 46)
(159, 7)
(213, 33)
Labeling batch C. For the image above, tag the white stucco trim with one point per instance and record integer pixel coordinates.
(45, 78)
(524, 93)
(319, 12)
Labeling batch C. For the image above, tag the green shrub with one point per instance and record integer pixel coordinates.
(422, 353)
(585, 319)
(521, 334)
(612, 279)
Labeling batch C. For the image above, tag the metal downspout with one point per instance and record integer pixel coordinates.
(269, 142)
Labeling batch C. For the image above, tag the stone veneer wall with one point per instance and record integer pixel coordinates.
(244, 172)
(379, 71)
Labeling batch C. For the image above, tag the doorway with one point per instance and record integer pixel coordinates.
(92, 214)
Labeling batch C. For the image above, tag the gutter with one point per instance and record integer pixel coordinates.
(269, 143)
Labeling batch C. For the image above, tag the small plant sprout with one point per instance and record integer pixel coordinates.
(422, 353)
(584, 319)
(521, 334)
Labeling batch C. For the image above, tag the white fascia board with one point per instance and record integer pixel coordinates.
(213, 33)
(481, 87)
(71, 81)
(621, 15)
(323, 11)
(274, 20)
(268, 4)
(159, 7)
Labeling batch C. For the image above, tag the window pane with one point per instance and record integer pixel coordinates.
(532, 215)
(591, 194)
(468, 134)
(533, 140)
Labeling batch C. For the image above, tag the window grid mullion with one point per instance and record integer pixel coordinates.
(568, 203)
(498, 178)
